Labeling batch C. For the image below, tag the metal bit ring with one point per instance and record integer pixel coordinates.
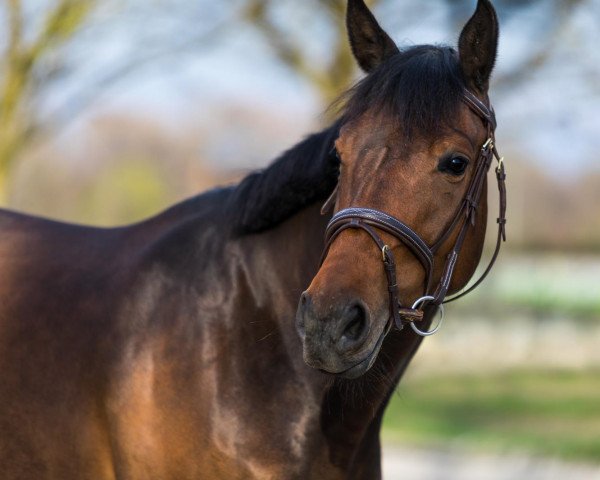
(416, 305)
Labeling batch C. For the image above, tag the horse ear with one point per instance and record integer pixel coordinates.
(478, 46)
(369, 42)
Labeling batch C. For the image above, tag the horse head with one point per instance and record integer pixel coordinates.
(415, 144)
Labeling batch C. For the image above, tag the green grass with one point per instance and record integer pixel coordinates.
(545, 413)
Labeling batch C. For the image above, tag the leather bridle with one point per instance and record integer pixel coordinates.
(372, 221)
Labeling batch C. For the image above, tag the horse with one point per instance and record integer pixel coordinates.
(256, 331)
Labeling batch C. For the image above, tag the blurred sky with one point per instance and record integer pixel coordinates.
(548, 116)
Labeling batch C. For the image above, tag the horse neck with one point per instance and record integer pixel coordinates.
(284, 262)
(274, 268)
(272, 262)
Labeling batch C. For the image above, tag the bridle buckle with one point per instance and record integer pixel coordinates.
(488, 145)
(500, 166)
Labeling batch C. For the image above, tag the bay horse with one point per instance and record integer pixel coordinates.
(213, 341)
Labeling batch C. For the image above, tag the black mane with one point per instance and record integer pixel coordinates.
(421, 87)
(305, 174)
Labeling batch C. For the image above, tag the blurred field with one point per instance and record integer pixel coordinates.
(448, 463)
(543, 285)
(551, 413)
(516, 367)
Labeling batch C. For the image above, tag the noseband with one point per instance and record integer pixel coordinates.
(372, 221)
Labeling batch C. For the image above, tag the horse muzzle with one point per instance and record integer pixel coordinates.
(338, 337)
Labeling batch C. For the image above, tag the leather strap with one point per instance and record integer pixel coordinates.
(387, 256)
(486, 113)
(501, 220)
(390, 225)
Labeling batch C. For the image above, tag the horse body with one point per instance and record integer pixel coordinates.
(178, 348)
(163, 381)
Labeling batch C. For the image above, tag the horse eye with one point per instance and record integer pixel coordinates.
(335, 154)
(454, 165)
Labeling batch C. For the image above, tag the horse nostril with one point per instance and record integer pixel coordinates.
(356, 322)
(300, 314)
(303, 298)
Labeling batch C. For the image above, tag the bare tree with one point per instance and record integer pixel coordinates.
(38, 56)
(45, 48)
(549, 28)
(327, 77)
(545, 32)
(20, 68)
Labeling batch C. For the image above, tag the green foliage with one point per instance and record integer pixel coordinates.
(547, 413)
(128, 191)
(67, 18)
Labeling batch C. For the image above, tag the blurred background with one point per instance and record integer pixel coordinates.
(111, 110)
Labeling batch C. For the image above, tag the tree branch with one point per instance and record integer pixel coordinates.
(67, 113)
(291, 55)
(19, 125)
